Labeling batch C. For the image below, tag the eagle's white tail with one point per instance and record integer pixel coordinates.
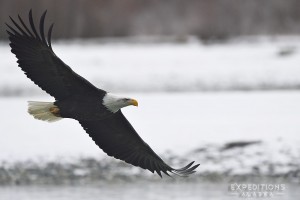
(43, 111)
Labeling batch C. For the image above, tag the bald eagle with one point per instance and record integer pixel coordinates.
(96, 110)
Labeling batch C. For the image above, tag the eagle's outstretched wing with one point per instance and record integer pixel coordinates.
(116, 137)
(37, 59)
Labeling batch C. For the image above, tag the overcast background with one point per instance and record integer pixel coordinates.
(217, 82)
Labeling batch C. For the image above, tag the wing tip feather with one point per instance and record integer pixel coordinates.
(182, 172)
(21, 30)
(42, 25)
(187, 170)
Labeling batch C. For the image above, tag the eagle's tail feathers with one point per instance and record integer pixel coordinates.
(45, 111)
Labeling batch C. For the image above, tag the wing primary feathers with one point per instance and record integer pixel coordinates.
(158, 169)
(13, 30)
(180, 175)
(186, 167)
(182, 172)
(148, 164)
(42, 24)
(191, 169)
(49, 36)
(185, 171)
(18, 27)
(164, 169)
(151, 166)
(33, 26)
(158, 172)
(191, 172)
(24, 25)
(9, 33)
(166, 173)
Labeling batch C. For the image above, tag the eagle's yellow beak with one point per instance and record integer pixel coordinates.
(133, 102)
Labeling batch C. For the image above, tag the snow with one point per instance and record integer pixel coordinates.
(268, 158)
(176, 122)
(192, 66)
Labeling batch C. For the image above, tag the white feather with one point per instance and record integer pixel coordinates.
(41, 111)
(113, 102)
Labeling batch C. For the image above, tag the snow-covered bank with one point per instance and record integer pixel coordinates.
(230, 161)
(239, 65)
(172, 122)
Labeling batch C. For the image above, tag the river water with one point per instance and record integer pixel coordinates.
(134, 190)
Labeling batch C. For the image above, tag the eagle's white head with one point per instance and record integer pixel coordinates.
(113, 102)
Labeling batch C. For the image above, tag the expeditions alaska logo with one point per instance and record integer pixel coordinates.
(251, 190)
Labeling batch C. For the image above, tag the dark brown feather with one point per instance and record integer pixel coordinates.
(116, 137)
(37, 59)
